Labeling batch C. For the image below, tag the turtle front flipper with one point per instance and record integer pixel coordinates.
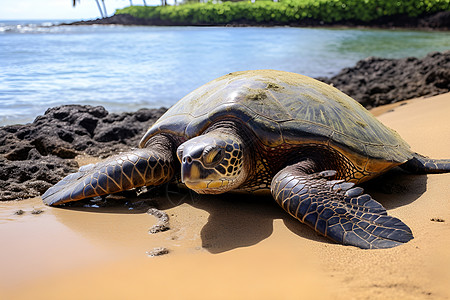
(336, 209)
(140, 167)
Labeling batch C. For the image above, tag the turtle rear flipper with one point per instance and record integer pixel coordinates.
(140, 167)
(336, 209)
(423, 165)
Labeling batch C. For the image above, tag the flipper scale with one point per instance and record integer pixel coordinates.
(118, 173)
(350, 218)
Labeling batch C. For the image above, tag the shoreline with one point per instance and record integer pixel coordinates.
(439, 21)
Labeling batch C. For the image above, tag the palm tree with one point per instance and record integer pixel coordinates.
(74, 2)
(104, 7)
(100, 9)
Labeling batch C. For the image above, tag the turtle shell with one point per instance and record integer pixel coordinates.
(283, 108)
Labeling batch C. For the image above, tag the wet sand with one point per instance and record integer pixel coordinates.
(236, 247)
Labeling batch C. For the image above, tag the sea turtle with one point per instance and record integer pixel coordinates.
(303, 140)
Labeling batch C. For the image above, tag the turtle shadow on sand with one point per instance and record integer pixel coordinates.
(241, 220)
(396, 188)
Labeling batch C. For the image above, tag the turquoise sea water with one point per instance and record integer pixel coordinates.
(127, 68)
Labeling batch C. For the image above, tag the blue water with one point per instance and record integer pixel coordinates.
(127, 68)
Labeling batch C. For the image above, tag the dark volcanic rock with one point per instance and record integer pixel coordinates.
(439, 21)
(377, 81)
(37, 155)
(435, 21)
(122, 19)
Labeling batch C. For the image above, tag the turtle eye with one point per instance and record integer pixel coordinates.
(212, 156)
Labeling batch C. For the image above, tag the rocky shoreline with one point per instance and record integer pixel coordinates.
(436, 21)
(35, 156)
(378, 81)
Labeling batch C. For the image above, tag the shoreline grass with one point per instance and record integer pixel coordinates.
(284, 12)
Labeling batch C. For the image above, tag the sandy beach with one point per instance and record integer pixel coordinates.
(237, 247)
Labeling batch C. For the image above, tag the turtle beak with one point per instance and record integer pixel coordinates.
(190, 170)
(185, 172)
(194, 175)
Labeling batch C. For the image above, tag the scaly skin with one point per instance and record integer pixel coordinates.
(213, 163)
(140, 167)
(335, 209)
(423, 165)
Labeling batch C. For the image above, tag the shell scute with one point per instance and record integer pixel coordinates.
(282, 107)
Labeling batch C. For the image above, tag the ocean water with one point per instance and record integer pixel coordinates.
(125, 68)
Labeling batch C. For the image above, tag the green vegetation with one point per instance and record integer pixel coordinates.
(285, 11)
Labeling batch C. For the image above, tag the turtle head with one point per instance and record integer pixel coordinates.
(212, 163)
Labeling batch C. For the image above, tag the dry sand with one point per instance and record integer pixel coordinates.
(235, 247)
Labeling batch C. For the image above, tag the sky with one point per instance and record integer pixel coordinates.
(60, 9)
